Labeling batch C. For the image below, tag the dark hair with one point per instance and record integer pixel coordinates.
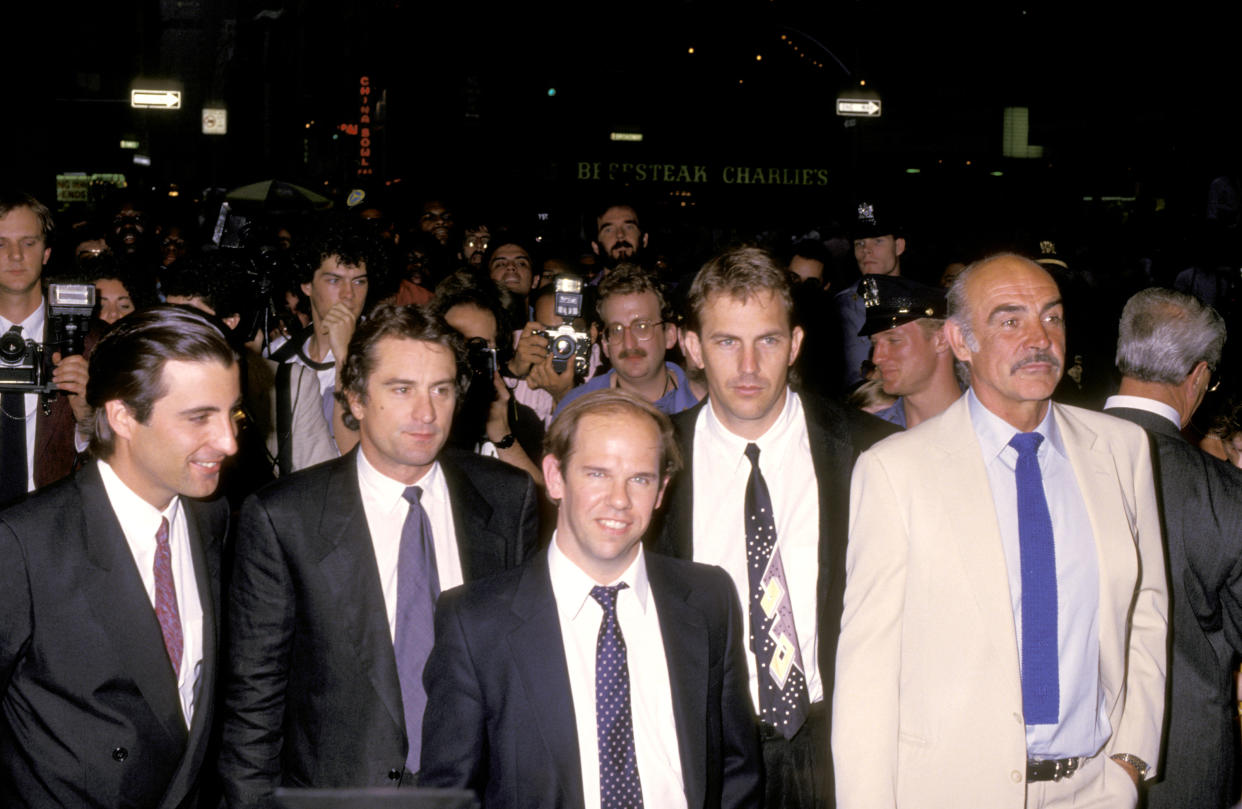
(106, 267)
(812, 249)
(218, 278)
(503, 238)
(630, 279)
(604, 206)
(11, 198)
(559, 440)
(128, 363)
(352, 243)
(741, 273)
(400, 323)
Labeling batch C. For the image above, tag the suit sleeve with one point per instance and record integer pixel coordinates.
(866, 695)
(742, 780)
(528, 537)
(260, 631)
(455, 745)
(312, 443)
(1147, 655)
(16, 620)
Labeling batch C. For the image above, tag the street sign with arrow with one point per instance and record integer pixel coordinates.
(155, 99)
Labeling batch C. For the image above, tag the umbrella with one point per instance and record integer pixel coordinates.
(276, 196)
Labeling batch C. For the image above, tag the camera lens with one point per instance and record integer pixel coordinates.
(12, 348)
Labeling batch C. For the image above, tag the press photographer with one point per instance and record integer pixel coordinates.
(38, 443)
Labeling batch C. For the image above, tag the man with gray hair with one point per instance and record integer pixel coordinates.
(1003, 633)
(1168, 347)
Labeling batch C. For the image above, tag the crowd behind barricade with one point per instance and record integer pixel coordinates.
(784, 477)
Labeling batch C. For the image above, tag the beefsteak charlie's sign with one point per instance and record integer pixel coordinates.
(681, 173)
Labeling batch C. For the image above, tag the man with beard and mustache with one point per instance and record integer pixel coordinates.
(618, 236)
(1005, 600)
(637, 328)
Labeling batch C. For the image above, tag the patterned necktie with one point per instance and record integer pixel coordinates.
(619, 785)
(1040, 680)
(784, 700)
(13, 470)
(418, 586)
(166, 598)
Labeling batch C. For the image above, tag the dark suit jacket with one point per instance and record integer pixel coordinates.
(500, 713)
(312, 697)
(92, 716)
(837, 436)
(1201, 512)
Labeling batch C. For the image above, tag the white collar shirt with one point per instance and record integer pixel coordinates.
(386, 508)
(32, 329)
(1161, 409)
(721, 472)
(140, 522)
(651, 700)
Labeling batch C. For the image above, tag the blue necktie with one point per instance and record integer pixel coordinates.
(418, 586)
(619, 786)
(784, 701)
(1041, 690)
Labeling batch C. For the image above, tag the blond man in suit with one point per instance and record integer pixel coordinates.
(1003, 634)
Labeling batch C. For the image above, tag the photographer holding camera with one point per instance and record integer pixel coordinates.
(38, 439)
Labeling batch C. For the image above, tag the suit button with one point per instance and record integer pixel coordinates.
(394, 774)
(1016, 777)
(119, 754)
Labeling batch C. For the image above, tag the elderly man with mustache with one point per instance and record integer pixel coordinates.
(1003, 636)
(636, 329)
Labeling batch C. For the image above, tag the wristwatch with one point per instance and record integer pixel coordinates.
(505, 442)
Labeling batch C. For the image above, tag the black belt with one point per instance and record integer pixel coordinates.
(1051, 769)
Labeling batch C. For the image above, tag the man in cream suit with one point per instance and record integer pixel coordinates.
(1003, 635)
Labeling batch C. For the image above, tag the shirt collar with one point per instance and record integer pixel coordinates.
(390, 492)
(135, 514)
(572, 586)
(995, 433)
(731, 444)
(1149, 405)
(32, 326)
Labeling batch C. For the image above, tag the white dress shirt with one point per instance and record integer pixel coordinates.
(386, 508)
(651, 697)
(1143, 403)
(721, 472)
(140, 522)
(32, 329)
(1083, 727)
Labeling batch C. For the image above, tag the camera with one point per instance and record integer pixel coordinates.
(26, 366)
(566, 342)
(482, 359)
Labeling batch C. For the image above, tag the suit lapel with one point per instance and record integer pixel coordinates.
(676, 524)
(122, 607)
(346, 556)
(686, 651)
(538, 654)
(472, 514)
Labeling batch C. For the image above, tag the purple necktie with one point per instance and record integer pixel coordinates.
(166, 598)
(418, 586)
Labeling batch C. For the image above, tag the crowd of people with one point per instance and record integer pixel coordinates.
(437, 504)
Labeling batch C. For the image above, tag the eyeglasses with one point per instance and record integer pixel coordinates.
(642, 330)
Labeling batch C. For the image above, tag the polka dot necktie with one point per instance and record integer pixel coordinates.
(418, 586)
(619, 785)
(1041, 688)
(784, 701)
(166, 598)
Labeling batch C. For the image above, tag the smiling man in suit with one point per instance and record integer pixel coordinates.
(338, 567)
(765, 496)
(597, 675)
(109, 586)
(1003, 637)
(1167, 350)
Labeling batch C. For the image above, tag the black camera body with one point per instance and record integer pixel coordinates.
(566, 342)
(26, 366)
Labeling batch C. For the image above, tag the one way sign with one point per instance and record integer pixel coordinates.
(858, 107)
(155, 99)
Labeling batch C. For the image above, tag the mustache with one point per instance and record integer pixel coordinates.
(637, 353)
(620, 244)
(1038, 356)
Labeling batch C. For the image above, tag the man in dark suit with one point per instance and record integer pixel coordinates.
(1168, 347)
(109, 589)
(534, 698)
(338, 566)
(739, 331)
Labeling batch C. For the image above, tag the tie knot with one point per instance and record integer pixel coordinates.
(752, 453)
(607, 596)
(161, 536)
(413, 494)
(1026, 443)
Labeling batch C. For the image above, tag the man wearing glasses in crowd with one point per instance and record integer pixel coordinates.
(637, 329)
